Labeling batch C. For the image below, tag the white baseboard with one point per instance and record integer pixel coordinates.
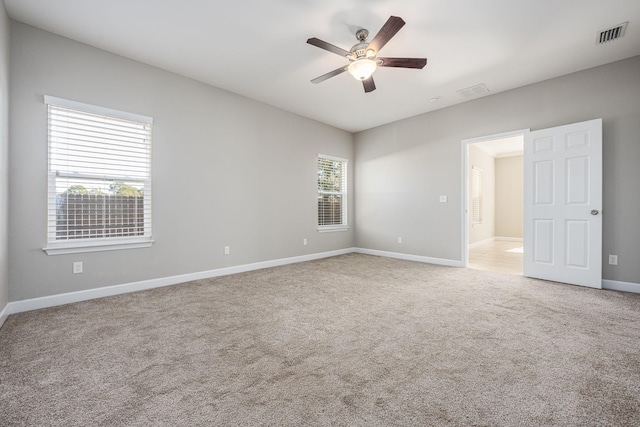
(615, 285)
(509, 239)
(71, 297)
(481, 242)
(495, 239)
(4, 314)
(419, 258)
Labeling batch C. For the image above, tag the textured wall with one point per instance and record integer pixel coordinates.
(402, 167)
(245, 171)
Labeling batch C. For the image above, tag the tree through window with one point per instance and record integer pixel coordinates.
(332, 192)
(99, 174)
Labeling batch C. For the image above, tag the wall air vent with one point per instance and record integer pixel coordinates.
(474, 91)
(611, 34)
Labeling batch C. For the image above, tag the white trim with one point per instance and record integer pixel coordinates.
(479, 183)
(509, 239)
(408, 257)
(502, 135)
(495, 239)
(95, 246)
(332, 228)
(615, 285)
(4, 314)
(71, 297)
(343, 226)
(481, 242)
(96, 109)
(334, 158)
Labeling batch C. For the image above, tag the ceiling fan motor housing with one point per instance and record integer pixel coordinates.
(362, 34)
(359, 50)
(362, 57)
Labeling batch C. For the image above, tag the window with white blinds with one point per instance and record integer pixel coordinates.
(332, 193)
(476, 195)
(99, 190)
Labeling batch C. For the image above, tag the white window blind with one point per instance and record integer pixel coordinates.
(476, 195)
(332, 192)
(99, 174)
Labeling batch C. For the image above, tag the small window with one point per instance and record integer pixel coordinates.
(332, 193)
(99, 191)
(476, 195)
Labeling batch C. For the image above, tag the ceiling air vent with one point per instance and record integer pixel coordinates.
(473, 91)
(612, 33)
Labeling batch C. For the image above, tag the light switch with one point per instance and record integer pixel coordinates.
(443, 199)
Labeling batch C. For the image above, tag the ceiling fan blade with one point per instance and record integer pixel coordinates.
(328, 46)
(369, 85)
(329, 74)
(403, 62)
(388, 30)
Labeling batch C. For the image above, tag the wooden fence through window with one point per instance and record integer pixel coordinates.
(81, 216)
(329, 211)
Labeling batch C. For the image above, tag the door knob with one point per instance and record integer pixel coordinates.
(594, 212)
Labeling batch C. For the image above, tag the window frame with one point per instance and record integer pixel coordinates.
(344, 225)
(477, 182)
(94, 244)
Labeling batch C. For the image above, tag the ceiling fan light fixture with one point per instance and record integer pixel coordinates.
(361, 69)
(363, 57)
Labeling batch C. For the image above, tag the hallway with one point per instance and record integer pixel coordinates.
(498, 256)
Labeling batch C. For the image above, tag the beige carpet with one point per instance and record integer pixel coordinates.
(353, 340)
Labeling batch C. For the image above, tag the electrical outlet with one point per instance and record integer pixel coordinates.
(613, 259)
(443, 199)
(227, 250)
(304, 242)
(399, 239)
(77, 267)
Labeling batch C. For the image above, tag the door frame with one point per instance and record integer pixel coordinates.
(465, 185)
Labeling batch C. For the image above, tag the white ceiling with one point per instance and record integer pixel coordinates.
(503, 147)
(257, 48)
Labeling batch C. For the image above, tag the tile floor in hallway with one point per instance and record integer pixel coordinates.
(499, 256)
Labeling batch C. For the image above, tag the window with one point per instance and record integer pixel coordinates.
(332, 193)
(476, 195)
(99, 187)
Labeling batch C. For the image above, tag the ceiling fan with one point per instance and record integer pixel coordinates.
(363, 57)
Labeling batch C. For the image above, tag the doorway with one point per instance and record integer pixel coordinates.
(493, 202)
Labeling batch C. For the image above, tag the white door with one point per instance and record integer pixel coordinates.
(563, 204)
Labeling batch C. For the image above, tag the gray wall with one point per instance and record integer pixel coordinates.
(487, 163)
(4, 156)
(510, 196)
(227, 171)
(402, 167)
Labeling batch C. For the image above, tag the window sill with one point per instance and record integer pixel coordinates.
(333, 228)
(96, 246)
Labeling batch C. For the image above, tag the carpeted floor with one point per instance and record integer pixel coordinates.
(353, 340)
